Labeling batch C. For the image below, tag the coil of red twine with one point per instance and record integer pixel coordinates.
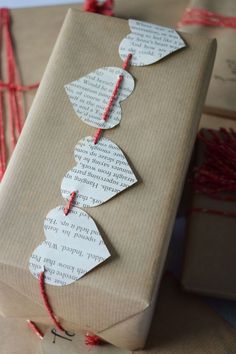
(216, 176)
(198, 16)
(14, 89)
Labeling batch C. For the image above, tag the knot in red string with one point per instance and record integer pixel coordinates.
(106, 8)
(5, 16)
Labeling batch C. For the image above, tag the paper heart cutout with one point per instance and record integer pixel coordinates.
(102, 171)
(148, 43)
(73, 247)
(90, 95)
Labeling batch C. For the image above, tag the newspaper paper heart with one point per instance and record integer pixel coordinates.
(102, 171)
(73, 247)
(148, 43)
(90, 95)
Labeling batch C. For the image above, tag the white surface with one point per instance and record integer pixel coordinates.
(91, 93)
(102, 172)
(31, 3)
(73, 247)
(149, 43)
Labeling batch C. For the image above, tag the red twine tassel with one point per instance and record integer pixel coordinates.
(92, 340)
(106, 8)
(197, 16)
(216, 176)
(14, 89)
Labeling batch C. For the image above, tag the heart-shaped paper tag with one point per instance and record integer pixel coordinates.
(73, 247)
(90, 95)
(149, 43)
(102, 171)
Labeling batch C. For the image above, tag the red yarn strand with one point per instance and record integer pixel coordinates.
(35, 329)
(70, 202)
(197, 16)
(47, 303)
(112, 99)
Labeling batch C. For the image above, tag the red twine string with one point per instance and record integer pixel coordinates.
(216, 176)
(70, 202)
(47, 303)
(113, 97)
(14, 89)
(35, 329)
(197, 16)
(106, 8)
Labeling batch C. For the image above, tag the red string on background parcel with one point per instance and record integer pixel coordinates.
(14, 89)
(216, 176)
(197, 16)
(106, 8)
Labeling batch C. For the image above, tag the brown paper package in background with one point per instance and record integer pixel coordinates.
(210, 260)
(116, 300)
(221, 98)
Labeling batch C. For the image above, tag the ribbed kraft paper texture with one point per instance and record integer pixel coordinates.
(157, 132)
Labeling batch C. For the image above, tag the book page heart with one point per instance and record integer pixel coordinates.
(72, 248)
(102, 171)
(148, 43)
(90, 94)
(55, 342)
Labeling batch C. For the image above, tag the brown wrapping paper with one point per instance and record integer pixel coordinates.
(17, 338)
(35, 30)
(221, 95)
(210, 247)
(182, 324)
(116, 300)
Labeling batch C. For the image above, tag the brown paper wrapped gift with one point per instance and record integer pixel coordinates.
(221, 95)
(210, 247)
(158, 130)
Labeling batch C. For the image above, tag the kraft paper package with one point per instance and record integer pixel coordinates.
(221, 95)
(115, 300)
(209, 251)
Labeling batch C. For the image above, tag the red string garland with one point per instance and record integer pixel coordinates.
(14, 89)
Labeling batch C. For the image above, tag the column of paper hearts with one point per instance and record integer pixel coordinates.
(73, 245)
